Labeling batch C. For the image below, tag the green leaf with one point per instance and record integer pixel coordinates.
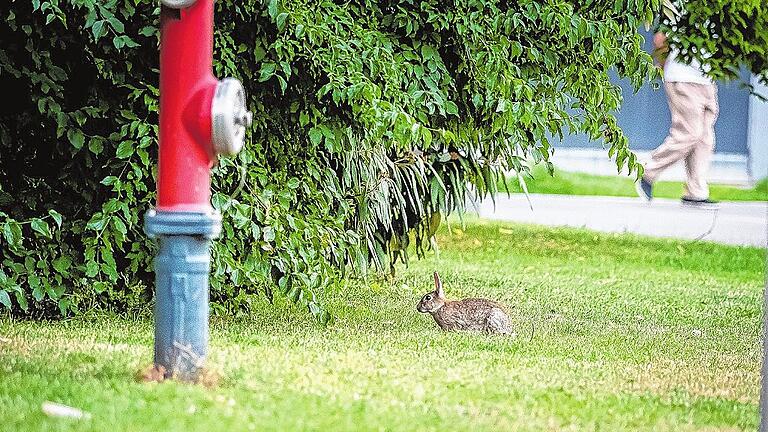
(76, 137)
(37, 290)
(283, 84)
(41, 226)
(281, 20)
(130, 43)
(56, 217)
(5, 299)
(272, 8)
(451, 108)
(96, 146)
(109, 180)
(38, 294)
(303, 119)
(98, 222)
(315, 135)
(91, 269)
(62, 264)
(64, 306)
(124, 150)
(128, 115)
(119, 225)
(266, 71)
(426, 135)
(255, 231)
(98, 29)
(314, 308)
(22, 300)
(12, 232)
(99, 287)
(148, 31)
(269, 233)
(117, 25)
(143, 156)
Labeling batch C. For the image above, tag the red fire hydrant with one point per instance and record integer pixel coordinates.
(200, 118)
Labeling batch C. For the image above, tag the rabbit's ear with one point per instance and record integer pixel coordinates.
(439, 286)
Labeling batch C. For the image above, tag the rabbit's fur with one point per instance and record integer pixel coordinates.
(469, 314)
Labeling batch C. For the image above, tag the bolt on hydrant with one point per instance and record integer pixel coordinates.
(200, 119)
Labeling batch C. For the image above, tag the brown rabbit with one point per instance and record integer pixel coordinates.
(469, 314)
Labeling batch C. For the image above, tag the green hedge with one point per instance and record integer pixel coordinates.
(370, 119)
(725, 35)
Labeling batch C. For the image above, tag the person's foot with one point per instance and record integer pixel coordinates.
(698, 202)
(644, 189)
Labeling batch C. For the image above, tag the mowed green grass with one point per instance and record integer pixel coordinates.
(572, 183)
(615, 332)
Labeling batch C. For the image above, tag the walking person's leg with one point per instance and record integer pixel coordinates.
(698, 161)
(684, 133)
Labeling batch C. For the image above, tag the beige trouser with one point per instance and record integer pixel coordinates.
(691, 137)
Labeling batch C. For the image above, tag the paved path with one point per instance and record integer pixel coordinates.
(738, 223)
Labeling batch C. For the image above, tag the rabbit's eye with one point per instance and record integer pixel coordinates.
(427, 297)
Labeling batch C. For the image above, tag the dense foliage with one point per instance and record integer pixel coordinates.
(371, 119)
(724, 34)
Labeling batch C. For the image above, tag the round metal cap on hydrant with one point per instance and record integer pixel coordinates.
(229, 117)
(177, 4)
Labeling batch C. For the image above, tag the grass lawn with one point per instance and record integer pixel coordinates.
(615, 332)
(571, 183)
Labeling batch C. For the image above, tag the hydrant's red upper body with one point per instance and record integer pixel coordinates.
(187, 87)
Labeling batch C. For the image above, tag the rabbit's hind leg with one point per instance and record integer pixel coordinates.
(498, 322)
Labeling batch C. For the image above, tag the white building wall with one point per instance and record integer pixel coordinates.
(757, 133)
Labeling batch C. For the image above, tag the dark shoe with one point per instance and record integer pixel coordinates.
(644, 189)
(696, 202)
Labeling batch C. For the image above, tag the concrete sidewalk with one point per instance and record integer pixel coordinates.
(736, 223)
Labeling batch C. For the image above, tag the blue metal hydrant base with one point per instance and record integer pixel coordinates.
(182, 266)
